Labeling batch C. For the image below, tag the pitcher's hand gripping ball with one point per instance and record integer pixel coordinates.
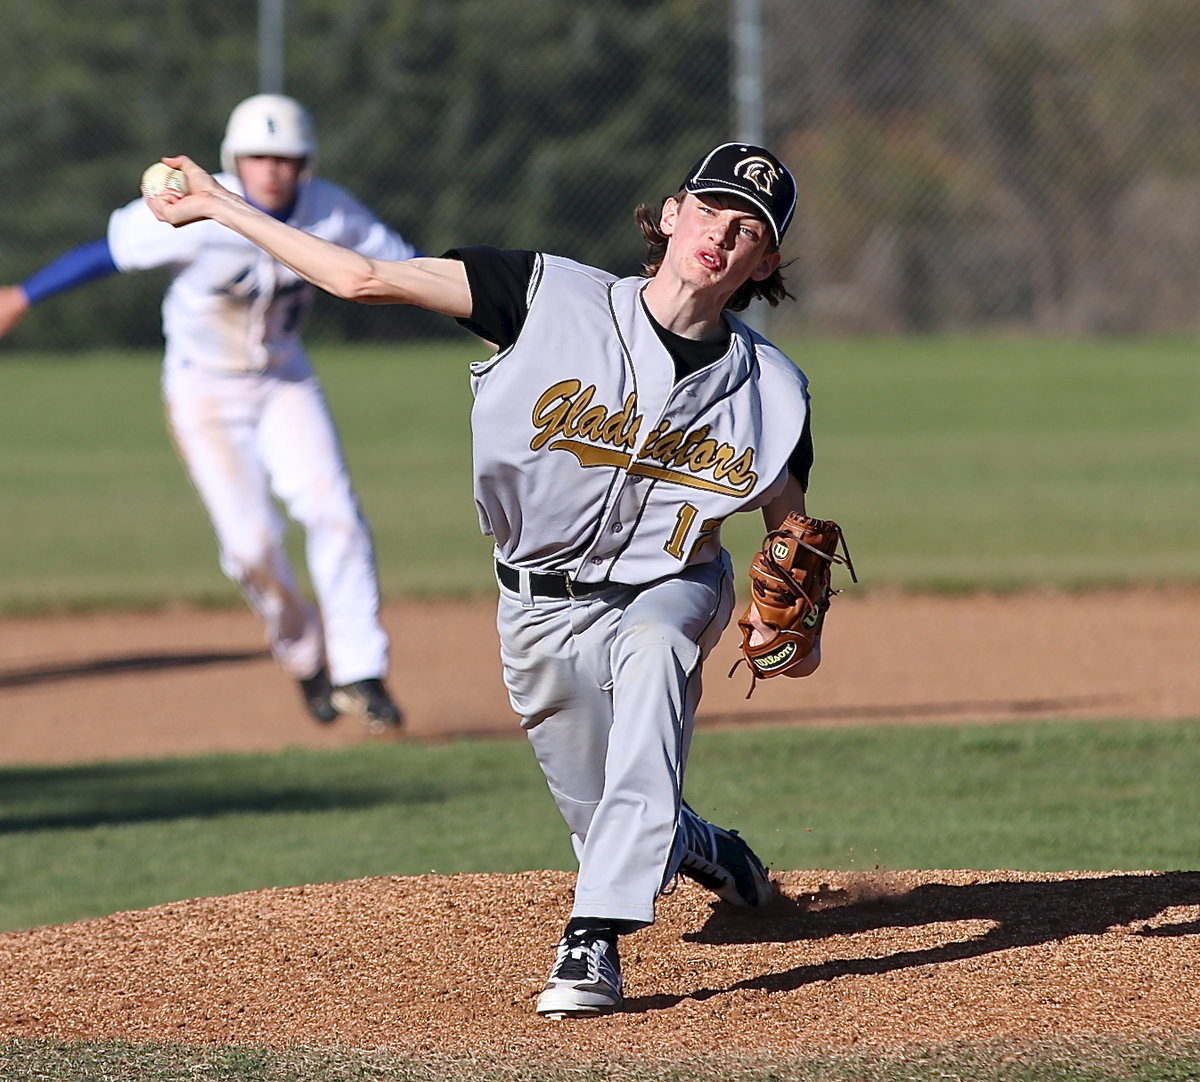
(159, 178)
(790, 591)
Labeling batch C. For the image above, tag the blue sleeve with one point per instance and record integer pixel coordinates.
(73, 268)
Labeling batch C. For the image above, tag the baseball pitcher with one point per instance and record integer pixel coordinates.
(616, 426)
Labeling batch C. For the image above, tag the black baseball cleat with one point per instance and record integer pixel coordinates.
(370, 700)
(318, 697)
(721, 861)
(586, 978)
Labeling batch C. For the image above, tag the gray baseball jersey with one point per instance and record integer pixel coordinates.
(595, 459)
(644, 469)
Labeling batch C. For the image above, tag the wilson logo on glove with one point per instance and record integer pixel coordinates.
(790, 591)
(767, 664)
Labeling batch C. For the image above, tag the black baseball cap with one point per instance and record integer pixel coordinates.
(752, 173)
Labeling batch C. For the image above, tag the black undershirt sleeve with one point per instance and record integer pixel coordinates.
(801, 460)
(499, 282)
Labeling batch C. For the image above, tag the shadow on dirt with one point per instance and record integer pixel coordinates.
(1022, 914)
(925, 711)
(122, 665)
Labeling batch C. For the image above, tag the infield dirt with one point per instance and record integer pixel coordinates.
(181, 682)
(843, 959)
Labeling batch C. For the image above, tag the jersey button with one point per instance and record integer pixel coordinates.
(617, 528)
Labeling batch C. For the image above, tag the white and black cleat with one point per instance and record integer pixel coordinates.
(721, 861)
(586, 978)
(369, 699)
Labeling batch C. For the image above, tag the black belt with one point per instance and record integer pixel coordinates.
(549, 583)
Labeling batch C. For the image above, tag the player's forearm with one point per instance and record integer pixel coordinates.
(438, 285)
(340, 271)
(789, 500)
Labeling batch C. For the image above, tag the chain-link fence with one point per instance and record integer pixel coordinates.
(1016, 164)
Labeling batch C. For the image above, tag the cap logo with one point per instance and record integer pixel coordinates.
(271, 125)
(758, 171)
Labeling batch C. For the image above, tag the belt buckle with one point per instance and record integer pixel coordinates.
(586, 589)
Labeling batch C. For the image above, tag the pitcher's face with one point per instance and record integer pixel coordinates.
(717, 241)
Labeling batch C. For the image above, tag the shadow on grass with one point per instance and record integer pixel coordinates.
(108, 794)
(1023, 914)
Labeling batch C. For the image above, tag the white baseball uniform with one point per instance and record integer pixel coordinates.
(250, 420)
(604, 466)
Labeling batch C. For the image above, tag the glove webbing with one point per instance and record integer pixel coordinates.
(832, 557)
(784, 573)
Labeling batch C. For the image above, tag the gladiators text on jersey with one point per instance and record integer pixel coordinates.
(566, 420)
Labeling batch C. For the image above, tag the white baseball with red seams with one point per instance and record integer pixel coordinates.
(160, 177)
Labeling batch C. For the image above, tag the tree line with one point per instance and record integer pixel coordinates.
(961, 165)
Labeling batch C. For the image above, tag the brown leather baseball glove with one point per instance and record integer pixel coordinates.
(790, 591)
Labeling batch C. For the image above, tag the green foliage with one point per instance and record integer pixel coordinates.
(960, 164)
(549, 141)
(611, 102)
(75, 141)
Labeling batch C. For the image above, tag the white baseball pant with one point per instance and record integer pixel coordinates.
(246, 437)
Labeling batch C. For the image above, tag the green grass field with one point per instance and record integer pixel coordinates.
(98, 838)
(953, 465)
(89, 840)
(1063, 1061)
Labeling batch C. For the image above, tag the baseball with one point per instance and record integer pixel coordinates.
(161, 178)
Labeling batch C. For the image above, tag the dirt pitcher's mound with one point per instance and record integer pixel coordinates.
(452, 964)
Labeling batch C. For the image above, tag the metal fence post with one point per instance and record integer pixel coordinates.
(270, 46)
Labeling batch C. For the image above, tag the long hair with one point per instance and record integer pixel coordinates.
(771, 289)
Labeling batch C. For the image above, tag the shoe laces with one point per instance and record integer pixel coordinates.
(578, 956)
